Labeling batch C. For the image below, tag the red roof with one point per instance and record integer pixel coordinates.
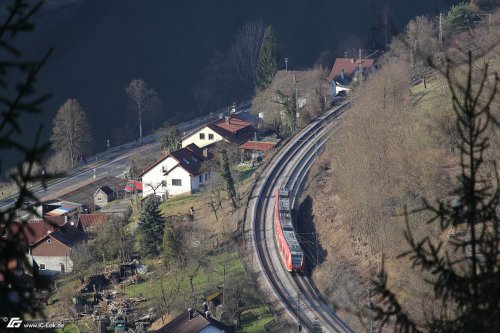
(232, 128)
(349, 65)
(258, 145)
(133, 184)
(87, 220)
(232, 124)
(33, 230)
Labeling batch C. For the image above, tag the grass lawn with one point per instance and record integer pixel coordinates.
(178, 204)
(246, 171)
(69, 328)
(254, 320)
(200, 282)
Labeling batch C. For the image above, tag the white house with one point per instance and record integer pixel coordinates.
(232, 129)
(177, 173)
(345, 70)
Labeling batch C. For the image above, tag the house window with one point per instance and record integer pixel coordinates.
(202, 136)
(176, 182)
(206, 176)
(200, 179)
(42, 266)
(99, 199)
(49, 241)
(210, 136)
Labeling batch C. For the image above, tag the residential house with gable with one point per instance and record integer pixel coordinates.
(191, 322)
(52, 252)
(345, 70)
(232, 129)
(177, 173)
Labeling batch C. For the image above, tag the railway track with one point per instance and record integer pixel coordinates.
(296, 292)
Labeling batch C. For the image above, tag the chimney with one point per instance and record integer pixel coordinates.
(190, 313)
(205, 152)
(207, 315)
(65, 218)
(342, 74)
(228, 119)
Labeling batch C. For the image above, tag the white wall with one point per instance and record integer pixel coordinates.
(183, 175)
(195, 138)
(53, 264)
(154, 177)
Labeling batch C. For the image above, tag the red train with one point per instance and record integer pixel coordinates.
(287, 242)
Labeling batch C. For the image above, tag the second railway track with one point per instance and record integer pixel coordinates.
(296, 292)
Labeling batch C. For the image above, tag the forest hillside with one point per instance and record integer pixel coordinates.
(396, 146)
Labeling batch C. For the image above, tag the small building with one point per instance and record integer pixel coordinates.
(60, 211)
(191, 321)
(120, 209)
(256, 150)
(177, 173)
(103, 196)
(52, 252)
(231, 129)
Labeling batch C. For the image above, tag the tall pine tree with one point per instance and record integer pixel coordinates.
(151, 227)
(267, 66)
(228, 177)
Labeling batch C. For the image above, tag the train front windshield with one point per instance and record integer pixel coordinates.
(297, 260)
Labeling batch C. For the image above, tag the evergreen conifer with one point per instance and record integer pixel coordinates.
(267, 66)
(151, 224)
(228, 177)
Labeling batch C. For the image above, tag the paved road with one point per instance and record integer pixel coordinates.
(115, 161)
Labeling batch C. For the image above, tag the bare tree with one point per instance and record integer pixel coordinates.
(167, 295)
(212, 192)
(143, 99)
(170, 137)
(463, 270)
(245, 51)
(71, 134)
(349, 48)
(154, 187)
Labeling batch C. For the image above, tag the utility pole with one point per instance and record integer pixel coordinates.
(385, 24)
(360, 65)
(441, 31)
(298, 310)
(370, 307)
(317, 249)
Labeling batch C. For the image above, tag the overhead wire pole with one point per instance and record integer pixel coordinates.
(441, 31)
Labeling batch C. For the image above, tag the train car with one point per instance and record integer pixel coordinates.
(286, 240)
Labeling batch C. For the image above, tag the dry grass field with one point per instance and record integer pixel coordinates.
(395, 148)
